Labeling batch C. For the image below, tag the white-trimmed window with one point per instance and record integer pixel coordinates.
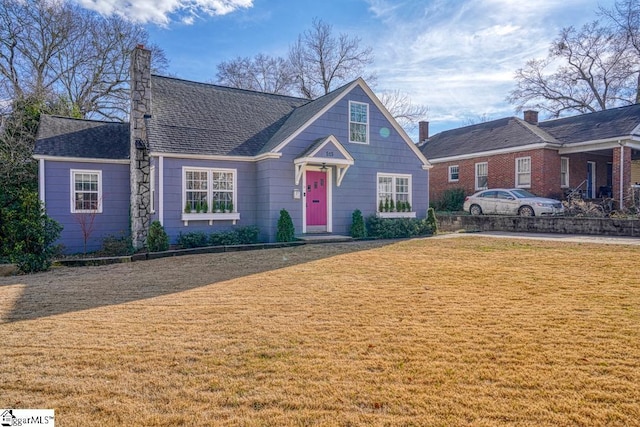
(564, 171)
(152, 188)
(454, 173)
(523, 172)
(394, 187)
(209, 190)
(482, 172)
(358, 122)
(86, 191)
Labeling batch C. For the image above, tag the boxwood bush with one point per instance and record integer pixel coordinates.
(392, 228)
(239, 236)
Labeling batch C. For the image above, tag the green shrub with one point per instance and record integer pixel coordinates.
(393, 228)
(358, 229)
(224, 238)
(28, 234)
(157, 240)
(194, 239)
(248, 235)
(450, 201)
(286, 231)
(432, 223)
(116, 246)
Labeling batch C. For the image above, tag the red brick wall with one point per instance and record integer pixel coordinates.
(545, 173)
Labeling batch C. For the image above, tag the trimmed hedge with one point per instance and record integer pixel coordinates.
(239, 236)
(392, 228)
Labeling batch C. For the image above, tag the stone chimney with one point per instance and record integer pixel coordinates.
(423, 132)
(531, 116)
(140, 75)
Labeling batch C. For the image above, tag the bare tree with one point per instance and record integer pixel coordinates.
(402, 109)
(54, 49)
(262, 73)
(624, 20)
(323, 61)
(586, 70)
(318, 63)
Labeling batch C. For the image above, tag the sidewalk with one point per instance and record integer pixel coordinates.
(574, 238)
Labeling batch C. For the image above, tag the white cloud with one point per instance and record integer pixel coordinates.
(459, 58)
(162, 11)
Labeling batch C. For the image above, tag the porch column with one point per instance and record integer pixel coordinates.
(621, 171)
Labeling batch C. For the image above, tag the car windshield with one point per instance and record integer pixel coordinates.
(522, 194)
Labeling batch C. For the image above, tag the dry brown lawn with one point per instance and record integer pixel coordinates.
(465, 331)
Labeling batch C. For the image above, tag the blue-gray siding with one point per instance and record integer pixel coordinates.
(114, 219)
(383, 154)
(173, 187)
(263, 187)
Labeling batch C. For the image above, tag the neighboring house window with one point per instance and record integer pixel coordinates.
(523, 172)
(152, 185)
(209, 190)
(358, 122)
(86, 191)
(564, 171)
(394, 187)
(454, 173)
(482, 170)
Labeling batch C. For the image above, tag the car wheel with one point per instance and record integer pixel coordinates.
(475, 210)
(526, 211)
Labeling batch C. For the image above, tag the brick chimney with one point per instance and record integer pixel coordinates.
(423, 131)
(140, 75)
(531, 116)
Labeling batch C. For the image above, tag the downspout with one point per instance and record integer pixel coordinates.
(621, 143)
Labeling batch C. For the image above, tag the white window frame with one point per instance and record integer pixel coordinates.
(365, 123)
(394, 177)
(152, 188)
(73, 190)
(210, 216)
(450, 174)
(564, 175)
(523, 172)
(477, 175)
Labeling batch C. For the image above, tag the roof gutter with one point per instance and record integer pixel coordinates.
(257, 158)
(494, 152)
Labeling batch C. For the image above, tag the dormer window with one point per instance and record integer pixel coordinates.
(358, 122)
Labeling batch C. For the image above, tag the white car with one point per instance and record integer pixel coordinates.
(511, 201)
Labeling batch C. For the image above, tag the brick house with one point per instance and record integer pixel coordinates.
(590, 153)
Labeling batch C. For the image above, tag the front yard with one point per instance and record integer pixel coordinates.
(461, 331)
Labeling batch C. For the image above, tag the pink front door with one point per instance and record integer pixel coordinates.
(316, 198)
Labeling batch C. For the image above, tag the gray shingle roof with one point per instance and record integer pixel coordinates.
(198, 118)
(190, 118)
(512, 132)
(494, 135)
(612, 123)
(66, 137)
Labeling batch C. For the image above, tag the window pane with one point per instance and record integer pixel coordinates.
(358, 132)
(358, 122)
(86, 191)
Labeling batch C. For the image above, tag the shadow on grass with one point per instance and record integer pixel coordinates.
(66, 290)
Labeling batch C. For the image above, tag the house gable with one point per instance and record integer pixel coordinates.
(305, 116)
(325, 151)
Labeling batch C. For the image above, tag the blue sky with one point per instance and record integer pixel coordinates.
(456, 57)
